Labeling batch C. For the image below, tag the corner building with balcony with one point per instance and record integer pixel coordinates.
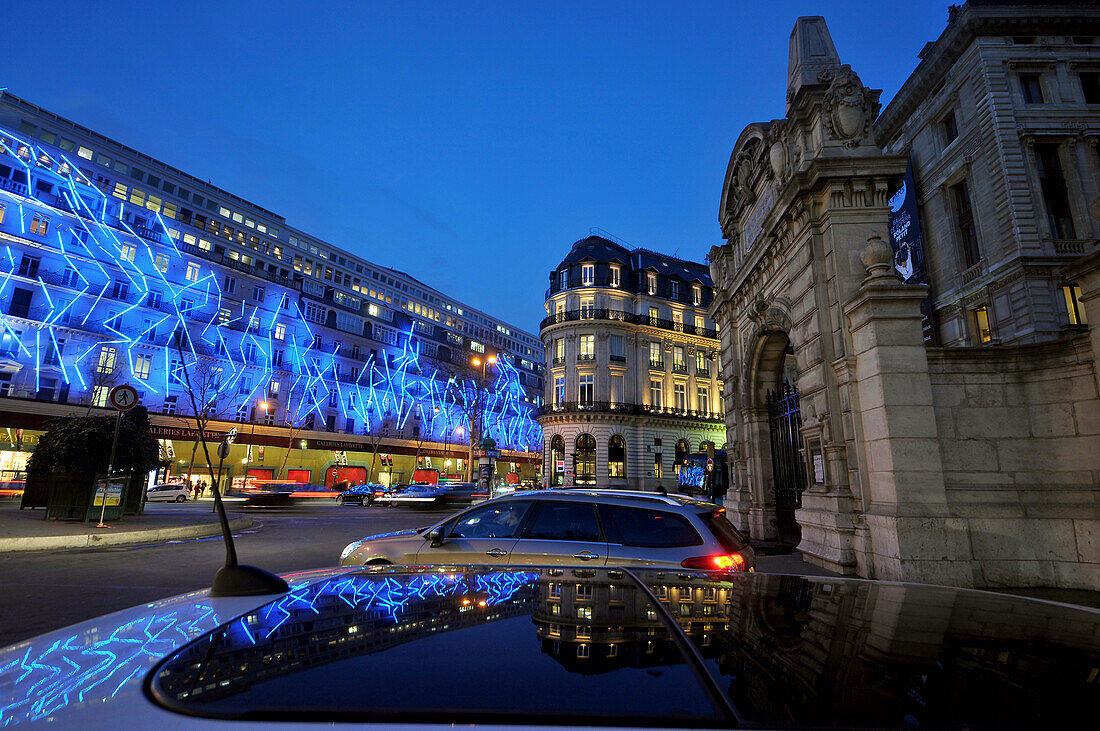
(632, 381)
(118, 268)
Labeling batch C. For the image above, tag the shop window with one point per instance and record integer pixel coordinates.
(616, 457)
(585, 460)
(557, 460)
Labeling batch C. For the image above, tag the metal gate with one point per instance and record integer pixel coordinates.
(788, 469)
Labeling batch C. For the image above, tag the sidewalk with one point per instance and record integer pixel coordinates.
(27, 530)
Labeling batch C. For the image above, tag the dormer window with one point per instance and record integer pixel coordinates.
(588, 274)
(616, 275)
(675, 286)
(564, 279)
(696, 295)
(651, 282)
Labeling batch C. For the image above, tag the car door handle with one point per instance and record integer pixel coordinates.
(586, 555)
(496, 552)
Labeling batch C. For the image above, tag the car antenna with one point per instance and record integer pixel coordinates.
(235, 579)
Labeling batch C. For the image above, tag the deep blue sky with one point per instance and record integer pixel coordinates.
(469, 144)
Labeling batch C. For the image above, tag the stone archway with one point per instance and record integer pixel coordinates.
(772, 438)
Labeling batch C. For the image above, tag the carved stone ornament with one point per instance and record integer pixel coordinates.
(777, 150)
(848, 107)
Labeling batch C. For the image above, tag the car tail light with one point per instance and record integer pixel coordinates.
(719, 562)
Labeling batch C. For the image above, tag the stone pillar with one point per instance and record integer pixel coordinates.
(913, 537)
(758, 455)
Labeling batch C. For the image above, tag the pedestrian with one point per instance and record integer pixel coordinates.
(202, 487)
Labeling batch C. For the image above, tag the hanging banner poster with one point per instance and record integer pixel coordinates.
(908, 245)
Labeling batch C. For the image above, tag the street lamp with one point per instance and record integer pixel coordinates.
(479, 411)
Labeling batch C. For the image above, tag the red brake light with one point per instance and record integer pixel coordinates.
(720, 562)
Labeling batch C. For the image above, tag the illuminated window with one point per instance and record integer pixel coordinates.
(170, 404)
(280, 331)
(584, 612)
(128, 252)
(616, 275)
(120, 191)
(696, 294)
(700, 324)
(702, 399)
(162, 262)
(192, 273)
(559, 389)
(39, 224)
(616, 457)
(588, 307)
(658, 465)
(1072, 294)
(679, 393)
(99, 395)
(584, 632)
(655, 358)
(586, 347)
(982, 330)
(108, 358)
(651, 282)
(655, 388)
(84, 152)
(141, 366)
(588, 274)
(585, 388)
(678, 363)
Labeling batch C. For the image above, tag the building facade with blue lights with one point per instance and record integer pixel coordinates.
(117, 268)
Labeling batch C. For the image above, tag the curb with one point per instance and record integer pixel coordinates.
(126, 538)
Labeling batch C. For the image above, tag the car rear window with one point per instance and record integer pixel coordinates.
(730, 538)
(562, 521)
(647, 528)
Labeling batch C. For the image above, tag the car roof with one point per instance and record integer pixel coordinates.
(617, 496)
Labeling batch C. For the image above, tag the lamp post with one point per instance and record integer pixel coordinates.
(245, 460)
(477, 428)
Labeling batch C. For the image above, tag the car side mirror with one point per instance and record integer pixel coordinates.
(436, 536)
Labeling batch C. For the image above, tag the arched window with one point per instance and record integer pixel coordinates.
(557, 455)
(704, 444)
(682, 449)
(584, 460)
(616, 457)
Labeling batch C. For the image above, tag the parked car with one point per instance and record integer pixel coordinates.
(359, 495)
(278, 494)
(172, 492)
(567, 647)
(595, 527)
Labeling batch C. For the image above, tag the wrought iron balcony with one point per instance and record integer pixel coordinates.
(608, 407)
(629, 317)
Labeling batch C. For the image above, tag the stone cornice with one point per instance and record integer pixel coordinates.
(972, 21)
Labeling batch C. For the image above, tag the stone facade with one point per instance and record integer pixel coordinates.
(633, 358)
(971, 462)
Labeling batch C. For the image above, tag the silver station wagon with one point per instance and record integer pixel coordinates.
(570, 528)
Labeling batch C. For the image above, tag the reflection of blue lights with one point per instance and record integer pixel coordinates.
(692, 474)
(367, 592)
(197, 329)
(85, 667)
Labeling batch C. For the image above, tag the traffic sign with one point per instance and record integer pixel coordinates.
(710, 465)
(232, 435)
(561, 465)
(123, 398)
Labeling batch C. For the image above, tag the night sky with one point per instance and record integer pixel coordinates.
(468, 144)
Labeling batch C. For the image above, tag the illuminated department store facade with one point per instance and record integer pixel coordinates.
(117, 268)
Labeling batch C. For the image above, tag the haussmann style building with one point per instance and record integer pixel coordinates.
(909, 306)
(632, 383)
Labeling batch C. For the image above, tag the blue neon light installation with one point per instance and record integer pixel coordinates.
(159, 303)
